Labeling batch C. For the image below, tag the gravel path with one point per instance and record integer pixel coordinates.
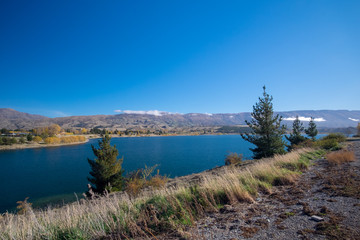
(331, 193)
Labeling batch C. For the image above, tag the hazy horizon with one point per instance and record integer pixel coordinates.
(161, 113)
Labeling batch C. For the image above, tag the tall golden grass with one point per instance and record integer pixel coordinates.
(340, 157)
(151, 212)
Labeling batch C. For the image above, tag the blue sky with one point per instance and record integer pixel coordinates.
(61, 58)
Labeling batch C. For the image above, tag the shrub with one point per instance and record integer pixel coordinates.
(22, 140)
(233, 159)
(29, 137)
(308, 143)
(72, 139)
(339, 157)
(339, 137)
(23, 206)
(37, 139)
(7, 141)
(134, 185)
(328, 144)
(142, 178)
(157, 181)
(331, 141)
(52, 140)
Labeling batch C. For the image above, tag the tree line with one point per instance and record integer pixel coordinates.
(267, 131)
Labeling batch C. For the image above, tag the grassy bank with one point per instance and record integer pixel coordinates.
(158, 210)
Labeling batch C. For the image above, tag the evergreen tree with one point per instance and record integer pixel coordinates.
(106, 169)
(311, 131)
(295, 137)
(266, 130)
(29, 137)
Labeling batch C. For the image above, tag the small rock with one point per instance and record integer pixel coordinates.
(248, 221)
(232, 227)
(268, 220)
(317, 218)
(227, 209)
(222, 227)
(258, 199)
(281, 227)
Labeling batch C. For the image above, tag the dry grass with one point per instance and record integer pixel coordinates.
(233, 158)
(134, 186)
(151, 212)
(340, 157)
(157, 181)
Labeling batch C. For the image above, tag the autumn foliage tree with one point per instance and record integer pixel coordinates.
(266, 129)
(52, 140)
(106, 171)
(37, 139)
(54, 129)
(48, 131)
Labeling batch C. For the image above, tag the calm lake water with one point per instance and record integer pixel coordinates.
(54, 174)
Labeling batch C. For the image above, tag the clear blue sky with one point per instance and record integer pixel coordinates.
(93, 57)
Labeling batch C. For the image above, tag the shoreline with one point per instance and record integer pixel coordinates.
(37, 145)
(89, 137)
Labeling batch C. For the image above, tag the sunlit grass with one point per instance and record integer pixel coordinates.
(162, 209)
(340, 157)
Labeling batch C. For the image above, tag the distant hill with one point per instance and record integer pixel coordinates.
(13, 119)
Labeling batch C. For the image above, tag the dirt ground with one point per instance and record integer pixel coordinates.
(323, 204)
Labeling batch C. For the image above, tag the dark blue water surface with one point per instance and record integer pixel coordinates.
(53, 174)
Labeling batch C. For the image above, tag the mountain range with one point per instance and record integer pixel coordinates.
(12, 119)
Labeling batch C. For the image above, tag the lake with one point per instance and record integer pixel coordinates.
(54, 174)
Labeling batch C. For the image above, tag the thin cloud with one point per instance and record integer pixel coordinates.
(59, 114)
(305, 119)
(355, 120)
(149, 112)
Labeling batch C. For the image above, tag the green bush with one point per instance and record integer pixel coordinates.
(233, 158)
(7, 141)
(22, 140)
(331, 141)
(328, 144)
(29, 137)
(339, 137)
(307, 143)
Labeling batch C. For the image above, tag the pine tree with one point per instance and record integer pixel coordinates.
(266, 130)
(311, 131)
(106, 169)
(295, 137)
